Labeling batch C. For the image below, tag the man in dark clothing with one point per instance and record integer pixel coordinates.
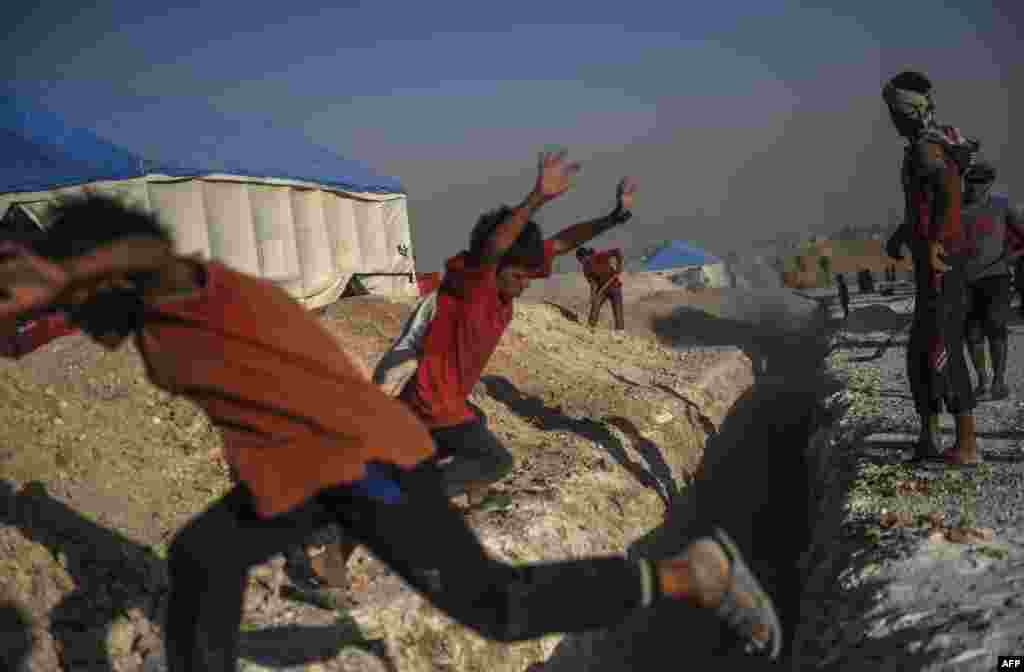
(994, 234)
(844, 295)
(602, 270)
(936, 365)
(314, 442)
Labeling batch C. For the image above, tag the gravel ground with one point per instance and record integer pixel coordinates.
(926, 569)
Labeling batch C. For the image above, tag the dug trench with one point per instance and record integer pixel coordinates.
(756, 481)
(625, 443)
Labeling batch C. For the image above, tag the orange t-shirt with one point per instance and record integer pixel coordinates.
(296, 413)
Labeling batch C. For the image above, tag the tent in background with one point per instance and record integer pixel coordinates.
(262, 201)
(686, 265)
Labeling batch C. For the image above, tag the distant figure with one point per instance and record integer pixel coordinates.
(602, 270)
(844, 295)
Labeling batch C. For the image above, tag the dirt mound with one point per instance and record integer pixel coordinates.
(98, 468)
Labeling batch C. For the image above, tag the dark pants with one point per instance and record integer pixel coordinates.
(613, 294)
(988, 308)
(939, 312)
(469, 454)
(421, 538)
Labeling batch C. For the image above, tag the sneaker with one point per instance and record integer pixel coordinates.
(732, 590)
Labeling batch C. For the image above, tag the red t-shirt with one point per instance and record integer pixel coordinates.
(599, 266)
(296, 413)
(467, 327)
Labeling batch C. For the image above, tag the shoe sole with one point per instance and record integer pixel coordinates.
(739, 568)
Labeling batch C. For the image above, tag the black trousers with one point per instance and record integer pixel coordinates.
(943, 312)
(988, 308)
(469, 454)
(421, 538)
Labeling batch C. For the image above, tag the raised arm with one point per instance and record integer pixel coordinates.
(553, 177)
(583, 232)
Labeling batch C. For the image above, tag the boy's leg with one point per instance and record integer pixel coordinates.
(478, 457)
(999, 293)
(208, 562)
(616, 297)
(430, 545)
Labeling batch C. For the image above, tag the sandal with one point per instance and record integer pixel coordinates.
(746, 607)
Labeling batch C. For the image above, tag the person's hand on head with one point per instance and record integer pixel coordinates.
(937, 257)
(624, 193)
(27, 281)
(554, 174)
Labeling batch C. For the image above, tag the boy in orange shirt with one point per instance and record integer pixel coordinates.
(314, 442)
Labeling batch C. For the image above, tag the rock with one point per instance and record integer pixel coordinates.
(120, 637)
(663, 417)
(972, 659)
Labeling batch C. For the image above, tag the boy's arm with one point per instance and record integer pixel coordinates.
(553, 174)
(578, 234)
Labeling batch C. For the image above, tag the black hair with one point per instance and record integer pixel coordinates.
(583, 252)
(911, 80)
(81, 224)
(527, 250)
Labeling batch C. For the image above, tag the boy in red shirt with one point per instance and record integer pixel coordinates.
(602, 270)
(475, 304)
(314, 442)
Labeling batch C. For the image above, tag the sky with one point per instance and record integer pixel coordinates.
(739, 120)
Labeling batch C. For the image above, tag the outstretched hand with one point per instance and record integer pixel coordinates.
(624, 193)
(554, 174)
(27, 281)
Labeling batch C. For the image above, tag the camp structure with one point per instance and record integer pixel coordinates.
(686, 265)
(260, 201)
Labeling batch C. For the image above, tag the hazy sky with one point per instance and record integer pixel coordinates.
(739, 119)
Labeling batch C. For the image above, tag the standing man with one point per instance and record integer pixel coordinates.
(936, 365)
(844, 295)
(994, 234)
(602, 271)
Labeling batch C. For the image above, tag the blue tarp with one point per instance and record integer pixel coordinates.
(38, 151)
(677, 254)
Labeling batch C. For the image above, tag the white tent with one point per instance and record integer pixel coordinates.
(261, 203)
(687, 266)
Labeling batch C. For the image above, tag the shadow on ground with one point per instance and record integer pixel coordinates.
(15, 637)
(656, 474)
(113, 574)
(842, 614)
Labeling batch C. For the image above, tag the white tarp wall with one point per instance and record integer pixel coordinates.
(708, 276)
(307, 239)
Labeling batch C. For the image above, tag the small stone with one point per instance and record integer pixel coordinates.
(120, 638)
(157, 421)
(58, 421)
(663, 417)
